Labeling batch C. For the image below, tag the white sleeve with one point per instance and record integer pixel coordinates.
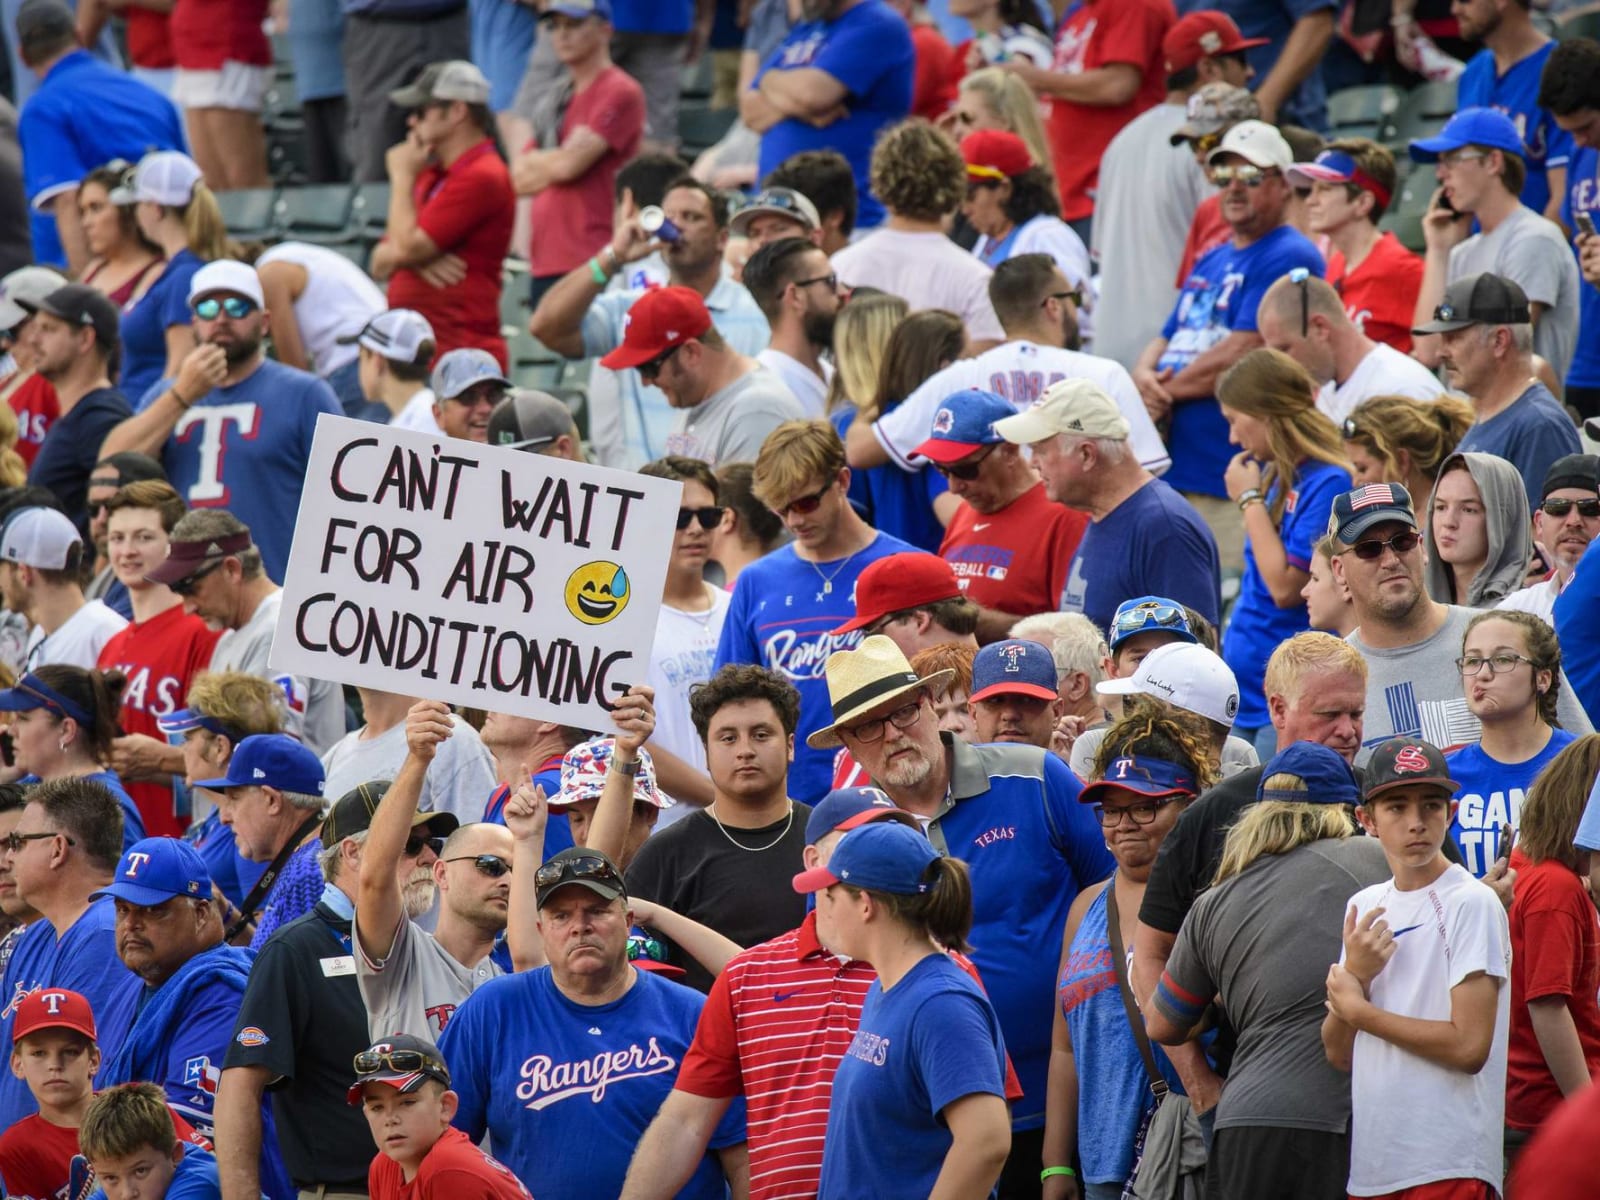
(907, 425)
(1146, 442)
(1062, 243)
(1480, 937)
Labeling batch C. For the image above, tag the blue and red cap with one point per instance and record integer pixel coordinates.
(1485, 127)
(1150, 614)
(187, 719)
(964, 424)
(1355, 512)
(844, 809)
(881, 856)
(1014, 667)
(159, 869)
(1153, 777)
(648, 953)
(1335, 166)
(31, 692)
(273, 760)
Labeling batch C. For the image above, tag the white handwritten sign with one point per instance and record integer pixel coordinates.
(494, 578)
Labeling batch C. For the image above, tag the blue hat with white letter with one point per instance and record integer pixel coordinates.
(159, 869)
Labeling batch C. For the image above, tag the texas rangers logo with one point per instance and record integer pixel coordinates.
(199, 1073)
(1409, 761)
(944, 421)
(1013, 656)
(53, 1002)
(136, 862)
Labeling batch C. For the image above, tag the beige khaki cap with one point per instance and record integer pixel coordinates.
(1075, 406)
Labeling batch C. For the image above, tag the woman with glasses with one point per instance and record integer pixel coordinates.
(63, 721)
(1478, 535)
(1289, 469)
(1510, 675)
(1395, 439)
(1146, 772)
(124, 261)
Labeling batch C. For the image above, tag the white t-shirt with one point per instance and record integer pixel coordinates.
(1020, 372)
(339, 299)
(927, 270)
(684, 652)
(79, 640)
(459, 779)
(1539, 599)
(808, 387)
(418, 414)
(1442, 933)
(1383, 372)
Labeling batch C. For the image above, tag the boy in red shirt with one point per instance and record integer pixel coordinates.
(403, 1087)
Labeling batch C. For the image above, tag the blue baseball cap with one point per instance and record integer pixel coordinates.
(1150, 614)
(273, 760)
(1154, 777)
(883, 856)
(157, 870)
(458, 370)
(964, 424)
(1357, 511)
(578, 9)
(31, 692)
(843, 809)
(1014, 667)
(1471, 127)
(1328, 778)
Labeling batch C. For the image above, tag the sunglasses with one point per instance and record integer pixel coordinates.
(900, 718)
(831, 280)
(1301, 278)
(803, 506)
(491, 865)
(964, 471)
(1372, 549)
(15, 841)
(643, 947)
(237, 308)
(571, 870)
(1350, 430)
(187, 585)
(1207, 142)
(1075, 295)
(1250, 176)
(1142, 616)
(1456, 157)
(370, 1062)
(1560, 508)
(416, 844)
(709, 517)
(648, 371)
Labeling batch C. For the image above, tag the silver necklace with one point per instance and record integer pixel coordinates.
(711, 811)
(827, 580)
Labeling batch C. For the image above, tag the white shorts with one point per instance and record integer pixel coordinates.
(238, 86)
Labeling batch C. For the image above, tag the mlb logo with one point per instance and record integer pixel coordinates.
(995, 572)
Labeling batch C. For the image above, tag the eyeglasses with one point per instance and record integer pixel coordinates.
(648, 371)
(237, 308)
(1301, 278)
(802, 506)
(1075, 295)
(1163, 616)
(1141, 814)
(1455, 157)
(885, 621)
(873, 730)
(965, 471)
(1250, 176)
(1560, 508)
(370, 1062)
(186, 586)
(491, 865)
(709, 517)
(14, 841)
(415, 845)
(1400, 543)
(571, 870)
(831, 280)
(1499, 664)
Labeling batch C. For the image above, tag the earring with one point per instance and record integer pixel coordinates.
(62, 745)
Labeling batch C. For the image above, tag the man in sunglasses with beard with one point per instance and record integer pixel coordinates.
(412, 980)
(1566, 521)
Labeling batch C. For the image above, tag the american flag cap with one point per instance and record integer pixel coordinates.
(1356, 511)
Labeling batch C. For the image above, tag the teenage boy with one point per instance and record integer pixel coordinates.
(134, 1152)
(403, 1087)
(1421, 1021)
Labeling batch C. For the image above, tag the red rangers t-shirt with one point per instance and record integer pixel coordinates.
(36, 1156)
(454, 1169)
(1015, 560)
(160, 657)
(36, 407)
(1381, 294)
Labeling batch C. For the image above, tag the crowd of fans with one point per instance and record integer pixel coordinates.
(1121, 713)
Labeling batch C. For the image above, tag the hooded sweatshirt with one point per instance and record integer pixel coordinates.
(1505, 505)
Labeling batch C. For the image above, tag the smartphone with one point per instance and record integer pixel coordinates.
(1446, 206)
(1585, 224)
(1508, 839)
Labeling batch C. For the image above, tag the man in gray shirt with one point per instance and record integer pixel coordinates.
(726, 402)
(1410, 641)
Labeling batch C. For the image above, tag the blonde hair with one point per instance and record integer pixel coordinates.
(796, 454)
(1555, 803)
(245, 703)
(1428, 430)
(1279, 826)
(1271, 386)
(203, 225)
(1018, 109)
(1308, 652)
(13, 470)
(860, 335)
(126, 1119)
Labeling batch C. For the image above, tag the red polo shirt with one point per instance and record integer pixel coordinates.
(468, 209)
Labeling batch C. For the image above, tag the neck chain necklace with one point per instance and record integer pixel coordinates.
(827, 580)
(711, 811)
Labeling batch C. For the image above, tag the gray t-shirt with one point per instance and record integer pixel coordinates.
(459, 779)
(1533, 252)
(417, 988)
(1416, 691)
(730, 425)
(1264, 940)
(316, 706)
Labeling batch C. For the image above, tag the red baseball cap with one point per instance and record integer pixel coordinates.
(899, 582)
(1203, 34)
(659, 320)
(53, 1008)
(995, 154)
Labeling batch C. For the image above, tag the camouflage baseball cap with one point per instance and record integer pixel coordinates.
(1213, 109)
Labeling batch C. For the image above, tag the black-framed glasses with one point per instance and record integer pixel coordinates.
(649, 371)
(885, 621)
(1373, 548)
(709, 516)
(1499, 664)
(832, 280)
(1139, 814)
(478, 394)
(967, 470)
(1588, 509)
(187, 585)
(1075, 295)
(1301, 278)
(491, 865)
(417, 843)
(802, 505)
(579, 867)
(1142, 616)
(901, 718)
(1250, 175)
(370, 1062)
(15, 841)
(237, 307)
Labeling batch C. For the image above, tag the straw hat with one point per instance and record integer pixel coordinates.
(861, 679)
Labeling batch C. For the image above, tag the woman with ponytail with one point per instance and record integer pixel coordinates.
(918, 1106)
(63, 722)
(1395, 439)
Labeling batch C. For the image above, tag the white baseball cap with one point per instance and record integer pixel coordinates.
(166, 177)
(396, 334)
(22, 290)
(1075, 406)
(1256, 142)
(39, 537)
(1186, 676)
(226, 275)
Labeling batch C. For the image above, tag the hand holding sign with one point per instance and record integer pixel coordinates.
(635, 717)
(428, 724)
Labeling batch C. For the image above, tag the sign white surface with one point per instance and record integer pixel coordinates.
(493, 578)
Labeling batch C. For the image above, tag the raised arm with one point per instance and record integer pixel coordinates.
(700, 942)
(671, 1149)
(635, 717)
(526, 814)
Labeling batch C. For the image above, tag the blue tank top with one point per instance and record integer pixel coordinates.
(1113, 1091)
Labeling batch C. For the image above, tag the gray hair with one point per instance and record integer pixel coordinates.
(1076, 643)
(303, 800)
(1521, 336)
(329, 857)
(1109, 450)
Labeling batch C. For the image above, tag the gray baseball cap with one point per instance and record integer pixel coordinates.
(22, 291)
(528, 420)
(455, 372)
(453, 80)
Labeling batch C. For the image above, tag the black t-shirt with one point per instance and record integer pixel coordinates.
(720, 878)
(302, 1018)
(72, 447)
